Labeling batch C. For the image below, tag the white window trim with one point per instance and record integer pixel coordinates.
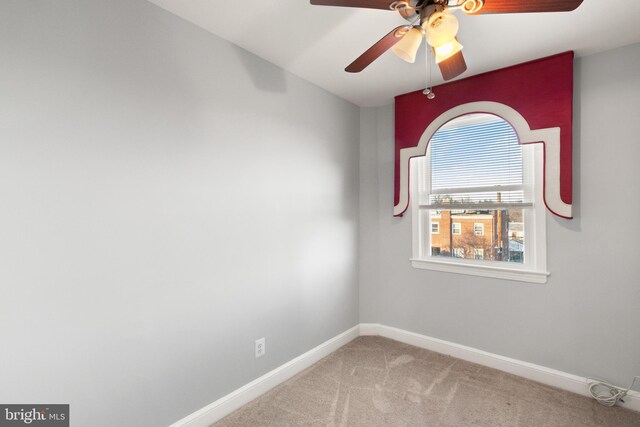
(437, 224)
(525, 272)
(453, 228)
(481, 229)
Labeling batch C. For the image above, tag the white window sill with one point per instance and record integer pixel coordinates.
(473, 269)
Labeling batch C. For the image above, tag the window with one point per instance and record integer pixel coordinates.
(456, 228)
(435, 228)
(476, 183)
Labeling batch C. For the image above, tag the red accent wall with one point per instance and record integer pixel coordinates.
(540, 90)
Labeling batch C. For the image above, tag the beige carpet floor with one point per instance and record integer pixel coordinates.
(374, 381)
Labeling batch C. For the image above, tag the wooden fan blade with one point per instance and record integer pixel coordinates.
(453, 67)
(369, 4)
(519, 6)
(380, 47)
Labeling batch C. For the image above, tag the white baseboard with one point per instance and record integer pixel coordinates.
(229, 403)
(224, 406)
(541, 374)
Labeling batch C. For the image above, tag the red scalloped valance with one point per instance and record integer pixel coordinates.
(540, 91)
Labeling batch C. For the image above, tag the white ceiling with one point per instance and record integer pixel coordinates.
(318, 42)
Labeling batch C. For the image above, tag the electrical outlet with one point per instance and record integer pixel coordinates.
(260, 347)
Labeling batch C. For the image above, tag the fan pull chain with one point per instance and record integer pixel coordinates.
(428, 89)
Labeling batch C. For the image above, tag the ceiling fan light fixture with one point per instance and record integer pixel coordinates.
(441, 28)
(472, 6)
(407, 48)
(447, 50)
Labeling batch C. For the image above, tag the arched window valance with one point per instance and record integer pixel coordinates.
(535, 97)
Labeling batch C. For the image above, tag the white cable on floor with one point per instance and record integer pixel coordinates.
(607, 394)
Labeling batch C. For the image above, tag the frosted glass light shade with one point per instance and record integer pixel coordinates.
(447, 50)
(407, 48)
(441, 28)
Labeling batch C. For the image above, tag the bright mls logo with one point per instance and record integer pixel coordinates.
(34, 415)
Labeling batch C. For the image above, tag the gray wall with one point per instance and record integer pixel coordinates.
(165, 199)
(585, 319)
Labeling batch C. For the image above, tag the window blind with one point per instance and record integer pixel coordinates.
(477, 162)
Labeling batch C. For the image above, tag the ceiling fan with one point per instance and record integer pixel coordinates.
(434, 20)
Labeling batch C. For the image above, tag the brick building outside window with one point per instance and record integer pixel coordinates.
(473, 234)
